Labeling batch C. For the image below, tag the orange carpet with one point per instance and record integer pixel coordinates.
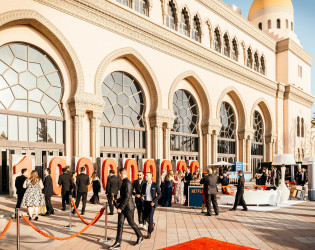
(206, 243)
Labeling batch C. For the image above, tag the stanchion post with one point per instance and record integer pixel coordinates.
(70, 226)
(17, 228)
(106, 240)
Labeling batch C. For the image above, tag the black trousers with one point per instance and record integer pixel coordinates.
(139, 205)
(80, 195)
(186, 193)
(130, 218)
(212, 198)
(239, 200)
(48, 204)
(19, 200)
(110, 198)
(65, 199)
(148, 213)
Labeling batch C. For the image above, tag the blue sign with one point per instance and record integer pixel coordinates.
(195, 198)
(237, 166)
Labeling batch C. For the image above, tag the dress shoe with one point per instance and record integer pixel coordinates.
(29, 217)
(216, 213)
(232, 209)
(139, 241)
(73, 211)
(245, 209)
(111, 214)
(36, 218)
(46, 214)
(63, 209)
(207, 214)
(52, 212)
(82, 213)
(115, 246)
(149, 236)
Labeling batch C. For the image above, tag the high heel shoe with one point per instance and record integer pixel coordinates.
(36, 218)
(30, 217)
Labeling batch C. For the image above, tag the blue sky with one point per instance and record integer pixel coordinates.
(304, 21)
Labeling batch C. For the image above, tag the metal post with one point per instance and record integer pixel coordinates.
(106, 240)
(18, 229)
(70, 226)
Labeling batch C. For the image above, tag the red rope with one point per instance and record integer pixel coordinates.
(76, 210)
(6, 228)
(98, 216)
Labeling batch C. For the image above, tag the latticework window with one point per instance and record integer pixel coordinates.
(234, 53)
(196, 31)
(256, 62)
(226, 49)
(249, 58)
(171, 16)
(184, 23)
(217, 40)
(142, 7)
(227, 120)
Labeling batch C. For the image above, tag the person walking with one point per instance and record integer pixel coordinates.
(125, 209)
(19, 181)
(151, 194)
(187, 179)
(136, 191)
(239, 197)
(112, 188)
(74, 188)
(210, 190)
(96, 188)
(168, 189)
(48, 191)
(33, 197)
(83, 181)
(65, 180)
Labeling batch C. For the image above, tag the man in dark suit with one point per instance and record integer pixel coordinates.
(83, 180)
(112, 187)
(151, 194)
(48, 191)
(302, 177)
(19, 181)
(187, 179)
(273, 177)
(239, 199)
(210, 190)
(125, 209)
(66, 181)
(136, 191)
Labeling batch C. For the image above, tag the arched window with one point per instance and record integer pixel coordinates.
(298, 127)
(124, 2)
(262, 67)
(234, 53)
(171, 20)
(278, 24)
(287, 23)
(31, 86)
(196, 30)
(226, 140)
(122, 119)
(226, 48)
(249, 58)
(260, 26)
(184, 133)
(269, 24)
(184, 23)
(217, 40)
(256, 62)
(142, 6)
(302, 127)
(292, 26)
(257, 147)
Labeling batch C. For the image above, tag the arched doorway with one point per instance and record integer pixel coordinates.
(257, 144)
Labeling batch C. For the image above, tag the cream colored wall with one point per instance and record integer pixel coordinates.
(282, 67)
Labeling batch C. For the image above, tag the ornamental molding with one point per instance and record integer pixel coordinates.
(162, 116)
(293, 94)
(79, 105)
(125, 23)
(246, 133)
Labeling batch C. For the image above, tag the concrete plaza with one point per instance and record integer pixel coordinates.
(291, 227)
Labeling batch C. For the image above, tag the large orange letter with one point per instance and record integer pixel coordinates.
(149, 166)
(108, 164)
(166, 165)
(181, 165)
(132, 164)
(87, 163)
(54, 163)
(193, 166)
(26, 162)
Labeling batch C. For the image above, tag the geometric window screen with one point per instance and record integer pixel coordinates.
(258, 127)
(29, 81)
(227, 121)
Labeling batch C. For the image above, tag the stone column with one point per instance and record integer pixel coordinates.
(214, 144)
(95, 134)
(157, 140)
(77, 115)
(248, 167)
(166, 140)
(207, 146)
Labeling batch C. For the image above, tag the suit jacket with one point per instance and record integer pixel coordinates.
(273, 174)
(113, 185)
(137, 187)
(83, 180)
(125, 202)
(48, 186)
(263, 178)
(155, 192)
(19, 181)
(209, 184)
(299, 179)
(241, 184)
(66, 181)
(188, 178)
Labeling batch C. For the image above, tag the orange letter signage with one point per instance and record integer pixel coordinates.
(26, 162)
(131, 165)
(87, 163)
(193, 166)
(56, 162)
(181, 165)
(149, 166)
(108, 164)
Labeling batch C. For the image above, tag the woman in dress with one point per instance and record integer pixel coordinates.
(74, 188)
(162, 185)
(179, 187)
(96, 188)
(33, 197)
(168, 189)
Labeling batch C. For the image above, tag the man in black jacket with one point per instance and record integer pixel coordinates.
(48, 191)
(125, 208)
(66, 181)
(112, 187)
(187, 179)
(19, 181)
(239, 199)
(136, 191)
(210, 191)
(151, 194)
(83, 180)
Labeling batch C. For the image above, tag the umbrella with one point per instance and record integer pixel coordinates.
(222, 163)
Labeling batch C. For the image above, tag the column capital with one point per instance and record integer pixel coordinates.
(84, 103)
(212, 127)
(246, 133)
(271, 137)
(162, 116)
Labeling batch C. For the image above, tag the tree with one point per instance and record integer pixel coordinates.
(42, 131)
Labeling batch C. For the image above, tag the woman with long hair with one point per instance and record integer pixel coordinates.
(168, 189)
(74, 189)
(179, 187)
(96, 188)
(33, 197)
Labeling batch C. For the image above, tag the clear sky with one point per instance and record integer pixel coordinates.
(304, 21)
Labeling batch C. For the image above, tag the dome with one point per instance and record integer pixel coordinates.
(260, 4)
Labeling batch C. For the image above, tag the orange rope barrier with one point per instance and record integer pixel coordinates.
(6, 228)
(76, 210)
(98, 216)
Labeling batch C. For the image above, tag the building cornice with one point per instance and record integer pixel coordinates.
(294, 94)
(290, 45)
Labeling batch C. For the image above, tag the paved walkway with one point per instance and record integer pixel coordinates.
(286, 228)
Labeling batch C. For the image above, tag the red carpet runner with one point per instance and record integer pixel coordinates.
(206, 243)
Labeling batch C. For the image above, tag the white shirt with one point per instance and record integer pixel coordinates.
(148, 196)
